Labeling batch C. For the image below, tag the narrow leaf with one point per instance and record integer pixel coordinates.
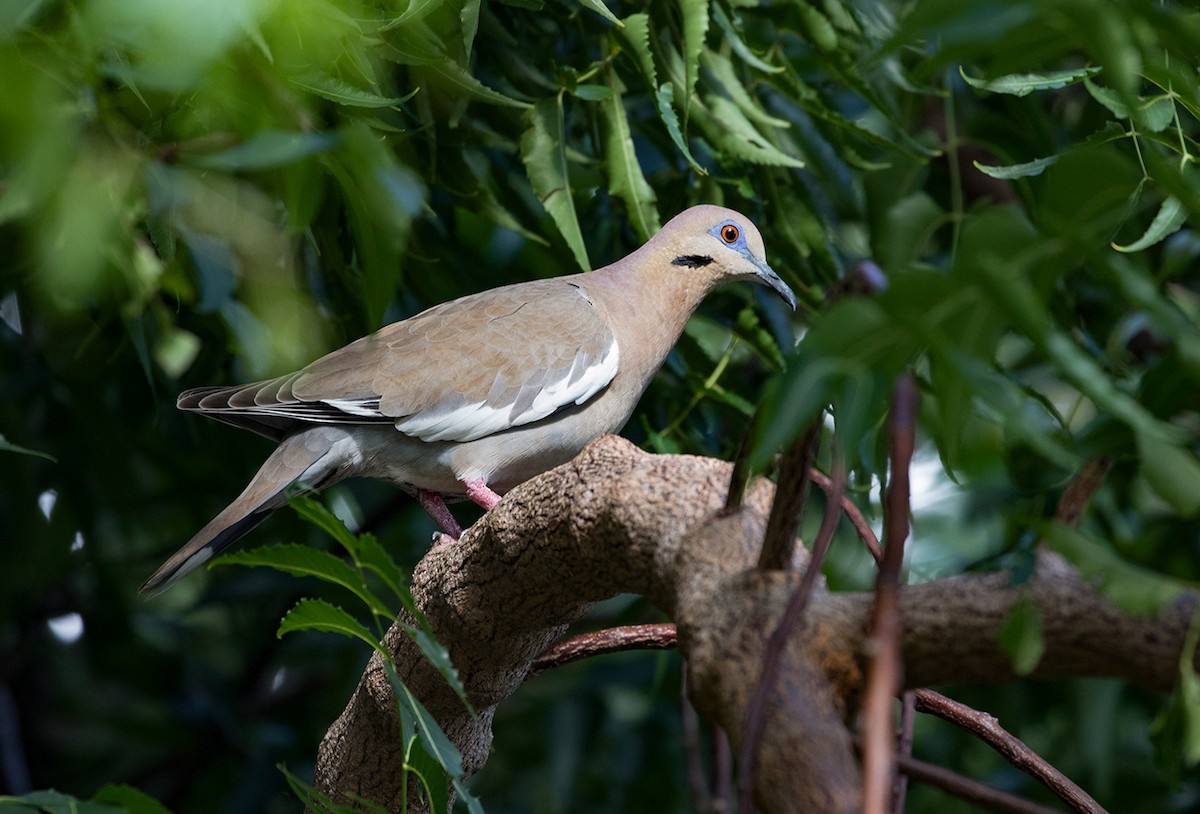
(1172, 472)
(1022, 84)
(635, 37)
(8, 446)
(666, 98)
(417, 9)
(625, 177)
(432, 737)
(543, 149)
(268, 148)
(1171, 215)
(722, 68)
(601, 9)
(306, 561)
(317, 614)
(695, 26)
(1013, 171)
(457, 76)
(336, 90)
(1107, 97)
(738, 44)
(728, 128)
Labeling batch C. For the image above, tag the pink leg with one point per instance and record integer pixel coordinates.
(432, 502)
(479, 492)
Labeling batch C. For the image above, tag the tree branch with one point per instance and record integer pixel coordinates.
(617, 520)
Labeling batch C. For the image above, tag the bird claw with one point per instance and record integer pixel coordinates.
(442, 538)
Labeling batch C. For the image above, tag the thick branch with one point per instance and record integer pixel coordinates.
(620, 520)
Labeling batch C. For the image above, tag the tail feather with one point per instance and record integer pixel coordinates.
(304, 457)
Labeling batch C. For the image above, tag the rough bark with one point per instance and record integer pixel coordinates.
(619, 520)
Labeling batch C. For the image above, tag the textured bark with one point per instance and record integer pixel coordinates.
(619, 520)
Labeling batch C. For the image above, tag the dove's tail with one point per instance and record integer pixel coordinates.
(313, 458)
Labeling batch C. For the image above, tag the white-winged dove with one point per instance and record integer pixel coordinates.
(474, 396)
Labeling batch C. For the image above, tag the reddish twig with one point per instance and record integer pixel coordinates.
(722, 757)
(967, 789)
(1079, 491)
(883, 672)
(988, 729)
(756, 712)
(904, 746)
(853, 514)
(600, 642)
(791, 493)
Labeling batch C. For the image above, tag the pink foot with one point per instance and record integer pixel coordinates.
(479, 492)
(432, 502)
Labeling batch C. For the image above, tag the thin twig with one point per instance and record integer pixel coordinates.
(599, 642)
(853, 514)
(791, 492)
(739, 475)
(883, 673)
(967, 789)
(756, 712)
(904, 746)
(1077, 495)
(988, 729)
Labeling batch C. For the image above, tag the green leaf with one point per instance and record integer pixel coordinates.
(749, 329)
(1172, 472)
(635, 36)
(593, 93)
(306, 561)
(313, 800)
(729, 129)
(1021, 636)
(1156, 113)
(601, 9)
(439, 657)
(472, 803)
(738, 44)
(722, 68)
(1107, 97)
(458, 77)
(1170, 216)
(315, 513)
(428, 771)
(133, 801)
(317, 614)
(416, 10)
(626, 180)
(1013, 171)
(543, 149)
(817, 28)
(1133, 589)
(8, 446)
(268, 148)
(666, 98)
(433, 739)
(695, 26)
(336, 90)
(1176, 730)
(1022, 84)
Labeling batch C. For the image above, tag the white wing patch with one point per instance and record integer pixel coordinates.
(536, 400)
(364, 407)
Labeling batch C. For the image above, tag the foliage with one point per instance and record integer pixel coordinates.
(430, 757)
(198, 192)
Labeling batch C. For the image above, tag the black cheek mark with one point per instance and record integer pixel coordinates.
(692, 261)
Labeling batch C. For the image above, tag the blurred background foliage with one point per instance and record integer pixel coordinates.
(204, 192)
